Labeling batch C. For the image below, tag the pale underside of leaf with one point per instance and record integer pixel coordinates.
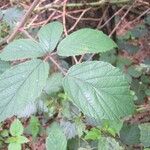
(85, 41)
(21, 85)
(99, 90)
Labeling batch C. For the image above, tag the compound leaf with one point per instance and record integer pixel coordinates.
(21, 85)
(85, 41)
(99, 90)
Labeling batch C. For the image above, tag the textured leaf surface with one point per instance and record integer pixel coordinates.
(56, 139)
(99, 90)
(49, 35)
(145, 134)
(22, 139)
(34, 126)
(14, 146)
(20, 85)
(16, 128)
(54, 83)
(130, 134)
(85, 41)
(20, 49)
(108, 144)
(3, 66)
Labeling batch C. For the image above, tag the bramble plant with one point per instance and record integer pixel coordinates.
(99, 90)
(16, 139)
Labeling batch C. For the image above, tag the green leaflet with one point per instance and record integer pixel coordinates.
(16, 128)
(145, 134)
(85, 41)
(99, 90)
(49, 35)
(108, 143)
(56, 139)
(130, 134)
(20, 85)
(34, 126)
(14, 146)
(20, 49)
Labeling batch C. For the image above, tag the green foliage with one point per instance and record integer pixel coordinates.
(34, 126)
(130, 134)
(108, 144)
(139, 31)
(112, 127)
(16, 128)
(147, 20)
(54, 83)
(49, 35)
(16, 90)
(16, 139)
(89, 100)
(56, 139)
(93, 88)
(135, 72)
(127, 46)
(93, 134)
(109, 56)
(145, 134)
(85, 41)
(26, 48)
(4, 66)
(21, 49)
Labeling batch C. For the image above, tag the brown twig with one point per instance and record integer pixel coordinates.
(23, 21)
(26, 34)
(121, 19)
(55, 63)
(77, 5)
(79, 18)
(64, 24)
(103, 16)
(116, 13)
